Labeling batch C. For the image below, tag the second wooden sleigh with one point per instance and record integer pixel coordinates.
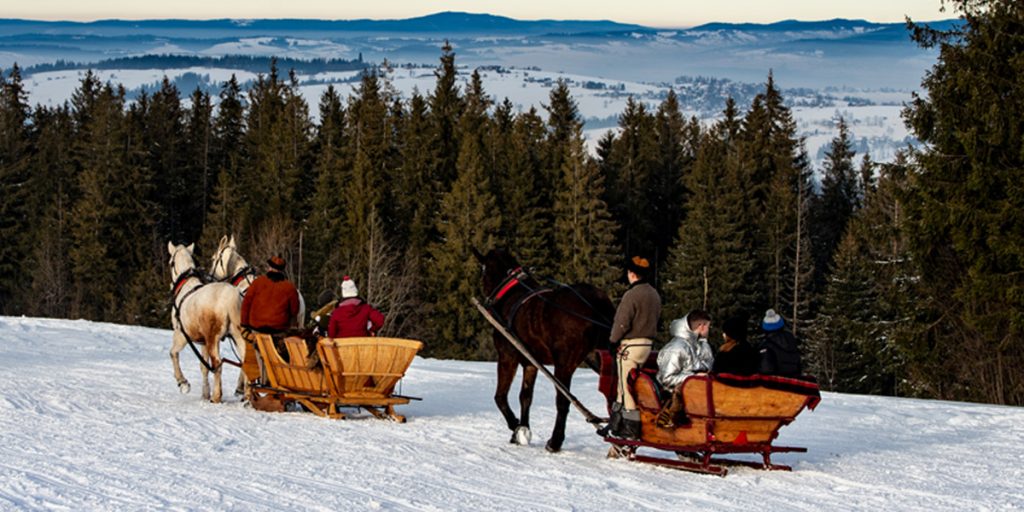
(352, 372)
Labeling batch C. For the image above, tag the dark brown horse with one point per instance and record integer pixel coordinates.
(559, 325)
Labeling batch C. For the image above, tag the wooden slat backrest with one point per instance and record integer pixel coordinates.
(367, 367)
(286, 376)
(297, 350)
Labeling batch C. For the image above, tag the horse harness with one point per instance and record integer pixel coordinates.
(244, 273)
(176, 304)
(515, 278)
(518, 277)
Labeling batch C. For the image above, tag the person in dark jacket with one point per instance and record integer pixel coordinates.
(271, 304)
(736, 356)
(780, 350)
(353, 318)
(633, 330)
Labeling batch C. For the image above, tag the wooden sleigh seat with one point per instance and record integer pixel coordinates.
(726, 414)
(363, 372)
(353, 372)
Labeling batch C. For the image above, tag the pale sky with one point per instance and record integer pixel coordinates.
(654, 13)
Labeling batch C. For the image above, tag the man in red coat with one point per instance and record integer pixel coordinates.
(271, 303)
(353, 317)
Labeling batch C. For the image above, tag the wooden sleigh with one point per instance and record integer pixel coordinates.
(728, 414)
(353, 372)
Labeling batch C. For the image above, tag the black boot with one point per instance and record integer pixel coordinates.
(630, 428)
(614, 422)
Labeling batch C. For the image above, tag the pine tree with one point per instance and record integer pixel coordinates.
(99, 154)
(369, 146)
(674, 160)
(322, 244)
(635, 156)
(838, 200)
(710, 266)
(446, 106)
(527, 229)
(584, 230)
(53, 183)
(15, 150)
(847, 325)
(962, 210)
(468, 219)
(227, 159)
(414, 202)
(198, 140)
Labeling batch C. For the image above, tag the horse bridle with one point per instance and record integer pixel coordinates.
(235, 279)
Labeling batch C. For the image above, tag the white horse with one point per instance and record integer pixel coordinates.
(228, 265)
(204, 313)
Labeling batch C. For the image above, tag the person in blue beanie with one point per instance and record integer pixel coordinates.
(780, 350)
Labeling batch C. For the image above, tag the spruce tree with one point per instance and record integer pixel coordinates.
(838, 200)
(527, 229)
(963, 214)
(584, 230)
(227, 159)
(446, 104)
(322, 244)
(468, 219)
(365, 189)
(710, 266)
(15, 150)
(53, 185)
(674, 160)
(198, 141)
(99, 154)
(635, 157)
(414, 203)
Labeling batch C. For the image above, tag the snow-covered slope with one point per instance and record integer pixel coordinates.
(91, 419)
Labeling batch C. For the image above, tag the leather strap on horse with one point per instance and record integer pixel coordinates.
(176, 305)
(590, 417)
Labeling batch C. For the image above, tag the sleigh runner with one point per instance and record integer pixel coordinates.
(352, 372)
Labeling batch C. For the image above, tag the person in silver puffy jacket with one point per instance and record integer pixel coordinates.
(688, 353)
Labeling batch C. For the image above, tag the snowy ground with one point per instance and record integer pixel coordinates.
(90, 419)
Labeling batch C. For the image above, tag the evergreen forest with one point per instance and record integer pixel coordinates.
(901, 278)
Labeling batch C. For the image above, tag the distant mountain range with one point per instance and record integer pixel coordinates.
(450, 22)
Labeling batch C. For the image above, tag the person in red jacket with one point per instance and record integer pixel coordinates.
(271, 304)
(353, 317)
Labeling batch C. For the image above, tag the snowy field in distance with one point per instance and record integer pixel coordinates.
(91, 419)
(875, 127)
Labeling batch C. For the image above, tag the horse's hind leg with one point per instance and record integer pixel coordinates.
(506, 373)
(563, 373)
(178, 343)
(213, 347)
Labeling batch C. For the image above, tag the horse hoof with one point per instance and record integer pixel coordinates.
(184, 387)
(522, 436)
(553, 447)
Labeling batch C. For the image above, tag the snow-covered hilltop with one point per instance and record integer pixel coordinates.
(90, 419)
